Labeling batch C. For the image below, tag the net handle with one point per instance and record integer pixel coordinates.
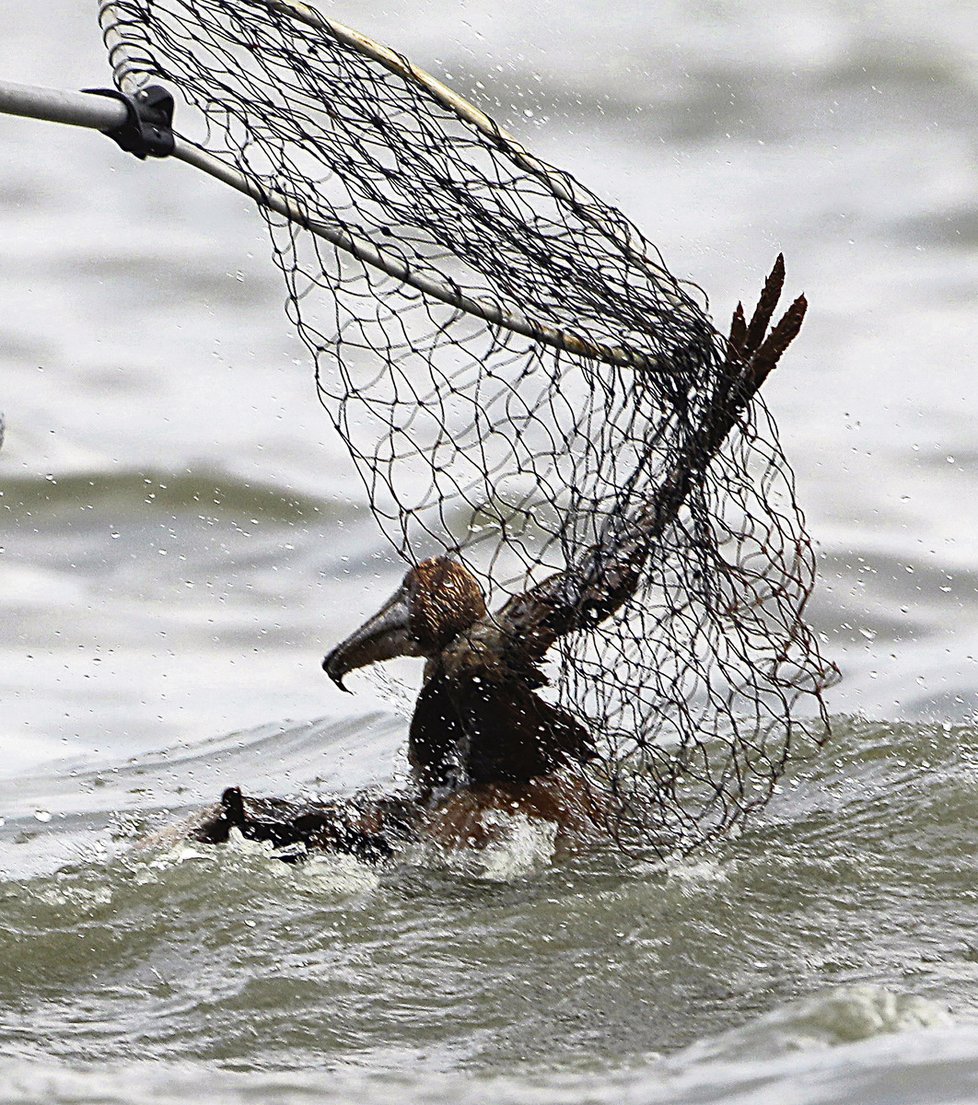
(82, 109)
(54, 105)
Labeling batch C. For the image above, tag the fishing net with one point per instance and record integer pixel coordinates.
(517, 377)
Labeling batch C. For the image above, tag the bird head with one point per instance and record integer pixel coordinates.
(437, 600)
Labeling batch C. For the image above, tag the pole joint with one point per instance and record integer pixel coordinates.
(148, 130)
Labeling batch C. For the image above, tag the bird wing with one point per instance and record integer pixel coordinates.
(606, 575)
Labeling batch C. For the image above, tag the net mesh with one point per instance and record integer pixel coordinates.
(522, 396)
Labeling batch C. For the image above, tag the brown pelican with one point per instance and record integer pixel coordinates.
(482, 740)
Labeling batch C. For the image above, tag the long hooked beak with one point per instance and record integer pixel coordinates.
(384, 636)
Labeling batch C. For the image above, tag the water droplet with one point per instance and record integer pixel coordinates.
(44, 816)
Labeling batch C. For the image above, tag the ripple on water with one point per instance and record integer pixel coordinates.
(856, 893)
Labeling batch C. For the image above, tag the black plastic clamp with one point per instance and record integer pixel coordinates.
(148, 132)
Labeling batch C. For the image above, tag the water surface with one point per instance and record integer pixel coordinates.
(182, 539)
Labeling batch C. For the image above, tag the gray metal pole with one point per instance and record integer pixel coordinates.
(76, 109)
(82, 109)
(397, 267)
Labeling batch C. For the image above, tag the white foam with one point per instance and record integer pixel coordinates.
(523, 846)
(337, 875)
(828, 1019)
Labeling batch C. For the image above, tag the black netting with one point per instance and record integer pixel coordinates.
(539, 392)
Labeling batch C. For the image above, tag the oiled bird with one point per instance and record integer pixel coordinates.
(482, 741)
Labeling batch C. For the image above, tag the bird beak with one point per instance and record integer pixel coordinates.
(386, 635)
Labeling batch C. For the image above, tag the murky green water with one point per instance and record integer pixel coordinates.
(861, 878)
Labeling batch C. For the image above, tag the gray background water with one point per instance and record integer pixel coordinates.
(181, 539)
